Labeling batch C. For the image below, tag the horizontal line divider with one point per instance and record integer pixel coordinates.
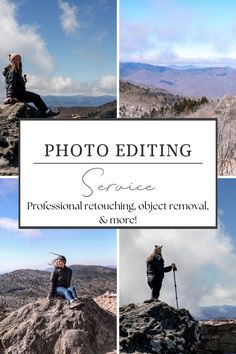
(118, 163)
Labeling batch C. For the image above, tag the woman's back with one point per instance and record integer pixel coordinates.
(15, 84)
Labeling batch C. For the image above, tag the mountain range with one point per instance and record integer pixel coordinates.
(217, 312)
(23, 286)
(77, 100)
(213, 82)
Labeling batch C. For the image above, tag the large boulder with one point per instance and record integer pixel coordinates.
(155, 327)
(51, 327)
(9, 134)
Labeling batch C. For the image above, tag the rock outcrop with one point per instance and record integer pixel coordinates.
(107, 301)
(51, 327)
(9, 134)
(155, 327)
(218, 337)
(9, 127)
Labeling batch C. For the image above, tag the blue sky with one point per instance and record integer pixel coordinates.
(227, 205)
(67, 46)
(197, 32)
(30, 248)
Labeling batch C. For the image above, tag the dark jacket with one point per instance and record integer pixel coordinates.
(60, 277)
(15, 84)
(156, 267)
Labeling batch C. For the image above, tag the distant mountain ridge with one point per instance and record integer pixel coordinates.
(77, 100)
(217, 312)
(213, 82)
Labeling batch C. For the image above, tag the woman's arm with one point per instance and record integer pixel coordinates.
(11, 83)
(167, 269)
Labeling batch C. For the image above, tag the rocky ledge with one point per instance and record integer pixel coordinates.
(51, 327)
(218, 337)
(9, 134)
(155, 327)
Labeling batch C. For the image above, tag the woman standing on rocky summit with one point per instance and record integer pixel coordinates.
(16, 90)
(156, 270)
(61, 282)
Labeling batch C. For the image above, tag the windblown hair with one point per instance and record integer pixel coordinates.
(59, 256)
(53, 262)
(152, 255)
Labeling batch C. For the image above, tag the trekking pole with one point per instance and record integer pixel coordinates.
(176, 295)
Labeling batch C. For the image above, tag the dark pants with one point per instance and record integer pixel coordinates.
(155, 284)
(28, 97)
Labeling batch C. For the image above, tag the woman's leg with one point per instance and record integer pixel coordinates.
(60, 290)
(72, 290)
(156, 288)
(150, 280)
(28, 97)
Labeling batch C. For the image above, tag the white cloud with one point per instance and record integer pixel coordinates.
(69, 20)
(204, 258)
(10, 224)
(67, 86)
(177, 35)
(23, 39)
(107, 84)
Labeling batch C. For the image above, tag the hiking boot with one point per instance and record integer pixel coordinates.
(10, 100)
(75, 304)
(52, 113)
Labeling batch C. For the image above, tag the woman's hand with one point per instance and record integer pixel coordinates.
(173, 265)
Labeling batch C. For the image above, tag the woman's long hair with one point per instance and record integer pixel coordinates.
(151, 256)
(17, 69)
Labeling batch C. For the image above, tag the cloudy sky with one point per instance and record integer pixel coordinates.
(205, 259)
(67, 46)
(30, 248)
(163, 32)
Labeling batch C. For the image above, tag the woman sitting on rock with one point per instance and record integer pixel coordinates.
(60, 282)
(16, 90)
(156, 270)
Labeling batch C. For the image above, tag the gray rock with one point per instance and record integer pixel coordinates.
(9, 134)
(51, 327)
(155, 327)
